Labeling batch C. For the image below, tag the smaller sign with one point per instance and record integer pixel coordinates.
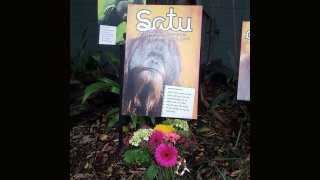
(244, 66)
(107, 35)
(114, 13)
(178, 102)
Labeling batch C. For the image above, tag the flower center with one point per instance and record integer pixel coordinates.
(166, 154)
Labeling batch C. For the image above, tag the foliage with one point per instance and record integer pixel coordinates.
(103, 84)
(78, 63)
(137, 120)
(113, 61)
(137, 155)
(216, 71)
(215, 67)
(221, 97)
(112, 122)
(203, 130)
(245, 171)
(86, 62)
(151, 172)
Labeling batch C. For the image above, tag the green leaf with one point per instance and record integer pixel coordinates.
(183, 133)
(96, 57)
(88, 166)
(112, 59)
(229, 75)
(83, 40)
(109, 82)
(221, 174)
(208, 75)
(153, 120)
(137, 155)
(134, 121)
(115, 90)
(220, 98)
(129, 155)
(203, 129)
(93, 88)
(112, 111)
(152, 172)
(141, 120)
(112, 122)
(245, 171)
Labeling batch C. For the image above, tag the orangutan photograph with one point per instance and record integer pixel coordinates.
(152, 61)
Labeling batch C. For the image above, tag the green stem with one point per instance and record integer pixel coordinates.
(161, 173)
(167, 173)
(172, 172)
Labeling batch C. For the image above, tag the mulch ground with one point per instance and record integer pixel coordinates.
(222, 150)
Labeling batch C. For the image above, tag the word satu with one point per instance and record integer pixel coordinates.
(145, 24)
(248, 35)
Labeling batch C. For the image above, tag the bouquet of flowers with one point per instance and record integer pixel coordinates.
(161, 149)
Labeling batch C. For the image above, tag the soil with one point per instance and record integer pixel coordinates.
(222, 151)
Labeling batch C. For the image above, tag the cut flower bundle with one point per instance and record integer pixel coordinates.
(161, 148)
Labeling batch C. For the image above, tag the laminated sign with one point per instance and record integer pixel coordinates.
(244, 67)
(112, 17)
(162, 57)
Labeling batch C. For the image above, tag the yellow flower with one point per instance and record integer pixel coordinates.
(164, 128)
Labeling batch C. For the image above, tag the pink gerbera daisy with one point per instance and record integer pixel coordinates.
(171, 136)
(155, 139)
(166, 155)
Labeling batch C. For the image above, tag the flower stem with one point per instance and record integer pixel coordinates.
(167, 173)
(172, 172)
(161, 173)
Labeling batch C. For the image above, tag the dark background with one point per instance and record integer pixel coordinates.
(83, 13)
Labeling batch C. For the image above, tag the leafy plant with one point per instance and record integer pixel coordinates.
(220, 173)
(152, 172)
(86, 62)
(137, 155)
(203, 130)
(221, 97)
(245, 171)
(105, 84)
(137, 120)
(114, 112)
(113, 61)
(214, 69)
(79, 62)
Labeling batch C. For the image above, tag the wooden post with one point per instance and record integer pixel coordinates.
(121, 117)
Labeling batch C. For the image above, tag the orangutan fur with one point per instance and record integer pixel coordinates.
(152, 61)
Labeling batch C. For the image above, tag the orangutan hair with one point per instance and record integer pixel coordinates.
(152, 61)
